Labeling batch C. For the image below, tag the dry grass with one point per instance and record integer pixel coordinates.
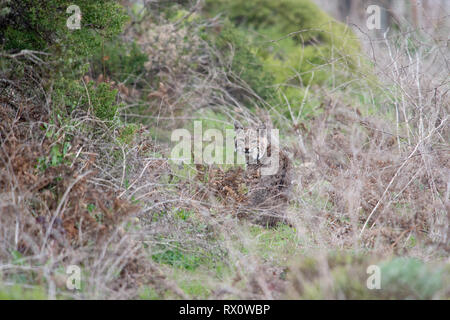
(370, 176)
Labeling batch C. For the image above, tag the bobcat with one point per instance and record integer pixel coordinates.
(268, 189)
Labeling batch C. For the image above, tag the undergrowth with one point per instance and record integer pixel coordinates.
(87, 179)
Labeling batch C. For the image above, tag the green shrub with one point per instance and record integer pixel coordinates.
(103, 100)
(301, 17)
(401, 278)
(72, 94)
(284, 16)
(297, 44)
(41, 25)
(409, 278)
(303, 37)
(128, 133)
(246, 64)
(119, 61)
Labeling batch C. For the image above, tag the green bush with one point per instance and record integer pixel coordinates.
(119, 61)
(72, 94)
(401, 278)
(128, 133)
(41, 25)
(297, 44)
(246, 64)
(284, 16)
(409, 278)
(303, 37)
(104, 101)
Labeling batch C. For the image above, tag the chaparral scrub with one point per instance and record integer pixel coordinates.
(87, 179)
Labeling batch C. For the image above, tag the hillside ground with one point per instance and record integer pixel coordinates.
(87, 179)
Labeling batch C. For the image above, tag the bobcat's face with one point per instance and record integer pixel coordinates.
(252, 143)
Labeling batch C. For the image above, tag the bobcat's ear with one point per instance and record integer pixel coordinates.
(262, 126)
(237, 126)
